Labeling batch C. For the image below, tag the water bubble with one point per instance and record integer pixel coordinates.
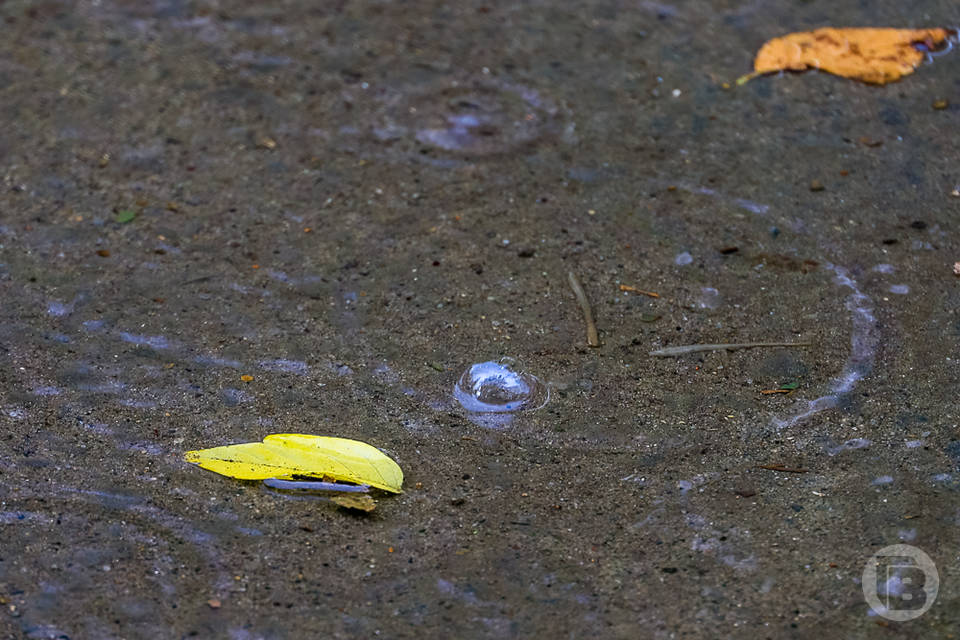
(498, 387)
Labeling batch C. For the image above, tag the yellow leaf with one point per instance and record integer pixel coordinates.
(285, 455)
(876, 56)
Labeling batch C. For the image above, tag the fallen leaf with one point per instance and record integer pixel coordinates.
(873, 55)
(125, 216)
(360, 502)
(286, 455)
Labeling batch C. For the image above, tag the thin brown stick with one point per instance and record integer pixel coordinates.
(626, 287)
(593, 339)
(780, 467)
(695, 348)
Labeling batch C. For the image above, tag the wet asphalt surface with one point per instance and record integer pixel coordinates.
(353, 202)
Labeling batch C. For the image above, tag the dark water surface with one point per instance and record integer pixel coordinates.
(354, 202)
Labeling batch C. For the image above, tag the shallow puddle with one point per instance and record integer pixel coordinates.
(359, 221)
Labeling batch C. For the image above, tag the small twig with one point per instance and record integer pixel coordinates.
(694, 348)
(769, 391)
(780, 467)
(198, 279)
(593, 339)
(626, 287)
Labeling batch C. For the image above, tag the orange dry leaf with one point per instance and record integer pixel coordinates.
(876, 56)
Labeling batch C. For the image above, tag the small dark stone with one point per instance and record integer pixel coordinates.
(918, 224)
(526, 252)
(669, 569)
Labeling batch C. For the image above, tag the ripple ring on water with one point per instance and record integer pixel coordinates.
(481, 117)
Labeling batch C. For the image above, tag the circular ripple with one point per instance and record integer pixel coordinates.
(477, 118)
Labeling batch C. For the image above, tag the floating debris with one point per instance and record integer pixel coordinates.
(125, 216)
(283, 456)
(651, 294)
(872, 55)
(593, 339)
(782, 468)
(360, 502)
(784, 388)
(695, 348)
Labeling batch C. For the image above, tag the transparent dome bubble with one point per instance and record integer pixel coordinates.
(498, 387)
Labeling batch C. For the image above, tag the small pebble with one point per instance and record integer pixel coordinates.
(816, 185)
(940, 104)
